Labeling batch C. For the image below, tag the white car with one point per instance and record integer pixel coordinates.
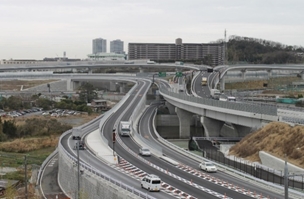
(144, 152)
(208, 166)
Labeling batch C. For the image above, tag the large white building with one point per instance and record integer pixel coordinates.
(117, 46)
(99, 46)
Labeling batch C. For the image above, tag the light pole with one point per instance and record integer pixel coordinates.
(78, 170)
(286, 178)
(25, 176)
(113, 140)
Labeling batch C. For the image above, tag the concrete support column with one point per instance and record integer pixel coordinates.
(212, 127)
(171, 108)
(122, 87)
(269, 73)
(222, 84)
(302, 75)
(241, 131)
(112, 86)
(141, 69)
(70, 86)
(73, 85)
(243, 74)
(185, 119)
(90, 71)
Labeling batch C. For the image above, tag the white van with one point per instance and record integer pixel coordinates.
(151, 182)
(231, 99)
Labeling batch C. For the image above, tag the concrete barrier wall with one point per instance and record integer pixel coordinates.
(277, 163)
(167, 120)
(91, 186)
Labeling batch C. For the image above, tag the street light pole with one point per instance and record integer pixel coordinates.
(25, 176)
(286, 178)
(113, 140)
(78, 170)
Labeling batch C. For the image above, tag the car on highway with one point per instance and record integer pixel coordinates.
(207, 166)
(144, 152)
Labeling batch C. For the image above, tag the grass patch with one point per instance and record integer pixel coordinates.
(276, 138)
(16, 160)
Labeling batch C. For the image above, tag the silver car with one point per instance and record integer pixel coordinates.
(144, 152)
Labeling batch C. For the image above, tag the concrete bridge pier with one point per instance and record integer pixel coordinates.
(242, 131)
(141, 69)
(113, 86)
(269, 73)
(222, 84)
(171, 108)
(72, 85)
(243, 74)
(212, 127)
(69, 85)
(185, 119)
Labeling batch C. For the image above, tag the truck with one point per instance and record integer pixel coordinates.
(204, 81)
(81, 145)
(76, 133)
(179, 63)
(215, 94)
(124, 128)
(150, 62)
(207, 166)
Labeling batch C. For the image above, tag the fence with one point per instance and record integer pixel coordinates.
(257, 171)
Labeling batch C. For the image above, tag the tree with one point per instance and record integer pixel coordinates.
(14, 103)
(44, 103)
(87, 92)
(10, 129)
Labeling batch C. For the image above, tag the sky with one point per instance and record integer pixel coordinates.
(35, 29)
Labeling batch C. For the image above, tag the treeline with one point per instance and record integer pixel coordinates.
(31, 127)
(18, 103)
(260, 51)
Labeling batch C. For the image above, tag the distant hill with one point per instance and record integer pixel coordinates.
(259, 51)
(276, 138)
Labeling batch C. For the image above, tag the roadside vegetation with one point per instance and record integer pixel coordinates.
(277, 139)
(260, 51)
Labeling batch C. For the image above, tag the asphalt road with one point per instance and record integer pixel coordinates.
(49, 183)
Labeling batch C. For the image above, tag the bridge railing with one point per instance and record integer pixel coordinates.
(265, 109)
(102, 175)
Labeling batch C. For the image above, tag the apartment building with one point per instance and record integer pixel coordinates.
(117, 46)
(99, 45)
(208, 53)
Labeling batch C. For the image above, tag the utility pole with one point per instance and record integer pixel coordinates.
(286, 178)
(78, 171)
(25, 176)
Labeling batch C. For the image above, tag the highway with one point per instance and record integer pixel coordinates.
(124, 113)
(188, 167)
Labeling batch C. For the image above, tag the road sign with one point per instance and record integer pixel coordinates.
(161, 74)
(178, 74)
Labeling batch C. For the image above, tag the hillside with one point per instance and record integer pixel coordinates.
(259, 51)
(276, 138)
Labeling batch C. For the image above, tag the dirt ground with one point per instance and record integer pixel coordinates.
(15, 85)
(73, 120)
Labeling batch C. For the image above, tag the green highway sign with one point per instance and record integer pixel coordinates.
(161, 74)
(178, 74)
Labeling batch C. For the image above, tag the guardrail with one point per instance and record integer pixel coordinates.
(43, 165)
(104, 176)
(253, 108)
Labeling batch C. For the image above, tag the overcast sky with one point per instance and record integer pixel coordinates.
(34, 29)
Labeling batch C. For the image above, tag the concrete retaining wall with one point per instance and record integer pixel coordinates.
(277, 163)
(91, 186)
(167, 120)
